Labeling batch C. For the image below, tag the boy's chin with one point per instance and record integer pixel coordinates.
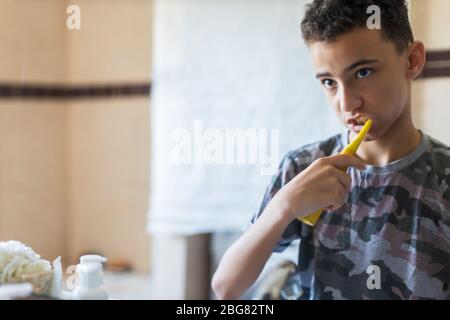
(372, 135)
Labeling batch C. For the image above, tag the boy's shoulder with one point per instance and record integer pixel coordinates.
(437, 146)
(303, 156)
(438, 158)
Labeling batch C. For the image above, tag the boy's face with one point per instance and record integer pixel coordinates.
(363, 76)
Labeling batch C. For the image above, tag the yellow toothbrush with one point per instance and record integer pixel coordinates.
(349, 150)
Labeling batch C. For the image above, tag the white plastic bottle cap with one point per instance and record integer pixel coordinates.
(92, 258)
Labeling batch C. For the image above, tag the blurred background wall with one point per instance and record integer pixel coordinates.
(33, 132)
(108, 138)
(430, 22)
(75, 170)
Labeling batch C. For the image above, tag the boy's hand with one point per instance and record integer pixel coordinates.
(320, 186)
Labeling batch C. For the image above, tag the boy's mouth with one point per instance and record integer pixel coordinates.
(357, 123)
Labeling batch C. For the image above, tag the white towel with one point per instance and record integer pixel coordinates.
(226, 65)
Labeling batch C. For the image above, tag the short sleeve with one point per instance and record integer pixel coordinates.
(287, 170)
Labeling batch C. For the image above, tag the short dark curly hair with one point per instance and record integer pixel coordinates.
(325, 20)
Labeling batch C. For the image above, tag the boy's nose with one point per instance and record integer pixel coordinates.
(348, 100)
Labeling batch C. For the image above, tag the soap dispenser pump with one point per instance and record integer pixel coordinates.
(90, 279)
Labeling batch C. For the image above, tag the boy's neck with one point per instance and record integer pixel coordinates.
(399, 141)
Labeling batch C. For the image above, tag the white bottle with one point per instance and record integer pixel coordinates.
(90, 279)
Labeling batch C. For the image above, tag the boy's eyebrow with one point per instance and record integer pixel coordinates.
(350, 67)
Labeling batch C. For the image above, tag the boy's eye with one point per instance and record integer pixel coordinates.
(328, 83)
(363, 73)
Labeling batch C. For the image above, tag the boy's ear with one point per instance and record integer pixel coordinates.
(416, 59)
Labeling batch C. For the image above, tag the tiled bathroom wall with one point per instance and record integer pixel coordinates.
(33, 197)
(74, 159)
(430, 106)
(109, 138)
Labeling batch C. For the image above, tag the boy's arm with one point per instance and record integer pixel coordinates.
(321, 185)
(244, 260)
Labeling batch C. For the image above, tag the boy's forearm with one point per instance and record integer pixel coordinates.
(245, 259)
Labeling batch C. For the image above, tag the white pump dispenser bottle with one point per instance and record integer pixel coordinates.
(90, 279)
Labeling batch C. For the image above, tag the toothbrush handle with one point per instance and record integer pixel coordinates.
(311, 219)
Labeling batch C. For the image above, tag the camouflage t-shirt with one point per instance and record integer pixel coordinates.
(390, 240)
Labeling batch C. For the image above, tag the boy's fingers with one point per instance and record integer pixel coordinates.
(342, 161)
(343, 178)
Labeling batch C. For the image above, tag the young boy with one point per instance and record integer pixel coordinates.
(385, 231)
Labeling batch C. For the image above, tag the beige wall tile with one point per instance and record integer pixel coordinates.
(33, 141)
(76, 173)
(430, 107)
(33, 40)
(80, 172)
(33, 175)
(109, 178)
(430, 20)
(35, 218)
(114, 43)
